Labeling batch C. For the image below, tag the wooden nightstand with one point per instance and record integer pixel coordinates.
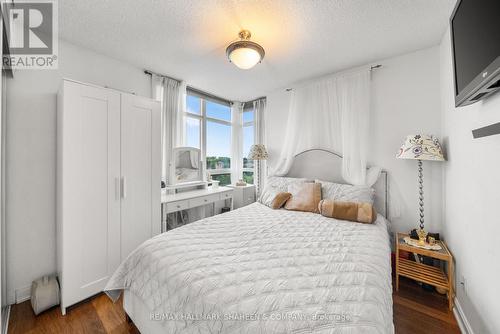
(425, 273)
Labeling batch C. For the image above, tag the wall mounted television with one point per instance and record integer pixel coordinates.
(475, 36)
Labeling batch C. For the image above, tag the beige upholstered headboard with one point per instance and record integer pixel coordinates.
(326, 165)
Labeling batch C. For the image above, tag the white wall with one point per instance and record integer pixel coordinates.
(31, 156)
(472, 198)
(405, 100)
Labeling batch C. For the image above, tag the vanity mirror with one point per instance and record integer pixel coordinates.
(186, 166)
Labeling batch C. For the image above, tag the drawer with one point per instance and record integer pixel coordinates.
(249, 192)
(226, 195)
(176, 206)
(203, 200)
(249, 199)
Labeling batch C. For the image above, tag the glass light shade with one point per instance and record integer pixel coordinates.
(244, 58)
(245, 54)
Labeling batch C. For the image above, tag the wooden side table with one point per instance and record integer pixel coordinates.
(422, 272)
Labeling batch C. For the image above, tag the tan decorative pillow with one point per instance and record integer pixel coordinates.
(305, 197)
(276, 184)
(352, 211)
(280, 200)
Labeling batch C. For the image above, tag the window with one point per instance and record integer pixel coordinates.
(218, 151)
(193, 105)
(193, 132)
(193, 121)
(208, 126)
(248, 141)
(218, 111)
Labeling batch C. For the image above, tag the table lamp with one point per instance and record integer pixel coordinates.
(421, 147)
(258, 152)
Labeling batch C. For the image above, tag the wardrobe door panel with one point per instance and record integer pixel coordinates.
(140, 170)
(90, 203)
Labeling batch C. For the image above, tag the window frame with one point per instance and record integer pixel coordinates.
(203, 118)
(247, 124)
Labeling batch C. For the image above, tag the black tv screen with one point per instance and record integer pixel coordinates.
(475, 28)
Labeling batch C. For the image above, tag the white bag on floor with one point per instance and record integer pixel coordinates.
(44, 294)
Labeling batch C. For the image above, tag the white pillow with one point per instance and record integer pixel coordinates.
(277, 184)
(346, 192)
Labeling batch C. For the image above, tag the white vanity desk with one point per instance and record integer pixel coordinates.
(191, 199)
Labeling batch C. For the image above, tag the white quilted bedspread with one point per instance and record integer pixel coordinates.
(258, 270)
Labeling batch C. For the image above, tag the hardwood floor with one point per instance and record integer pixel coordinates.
(95, 315)
(418, 311)
(415, 311)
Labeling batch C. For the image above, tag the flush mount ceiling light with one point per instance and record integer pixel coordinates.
(244, 53)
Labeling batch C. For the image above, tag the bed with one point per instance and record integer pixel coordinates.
(258, 270)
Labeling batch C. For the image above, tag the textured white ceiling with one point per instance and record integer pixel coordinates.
(303, 38)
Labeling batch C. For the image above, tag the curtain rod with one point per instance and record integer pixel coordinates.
(148, 72)
(195, 90)
(199, 91)
(374, 67)
(259, 98)
(208, 95)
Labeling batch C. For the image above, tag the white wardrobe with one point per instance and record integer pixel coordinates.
(108, 183)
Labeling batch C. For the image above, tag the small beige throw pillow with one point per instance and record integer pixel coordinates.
(305, 197)
(280, 200)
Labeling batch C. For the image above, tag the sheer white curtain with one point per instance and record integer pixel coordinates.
(172, 95)
(353, 94)
(259, 107)
(330, 113)
(236, 141)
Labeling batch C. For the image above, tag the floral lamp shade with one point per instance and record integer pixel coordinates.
(421, 147)
(258, 152)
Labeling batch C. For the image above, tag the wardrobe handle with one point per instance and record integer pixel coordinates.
(124, 187)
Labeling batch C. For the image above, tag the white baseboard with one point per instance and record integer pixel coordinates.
(23, 294)
(462, 321)
(5, 319)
